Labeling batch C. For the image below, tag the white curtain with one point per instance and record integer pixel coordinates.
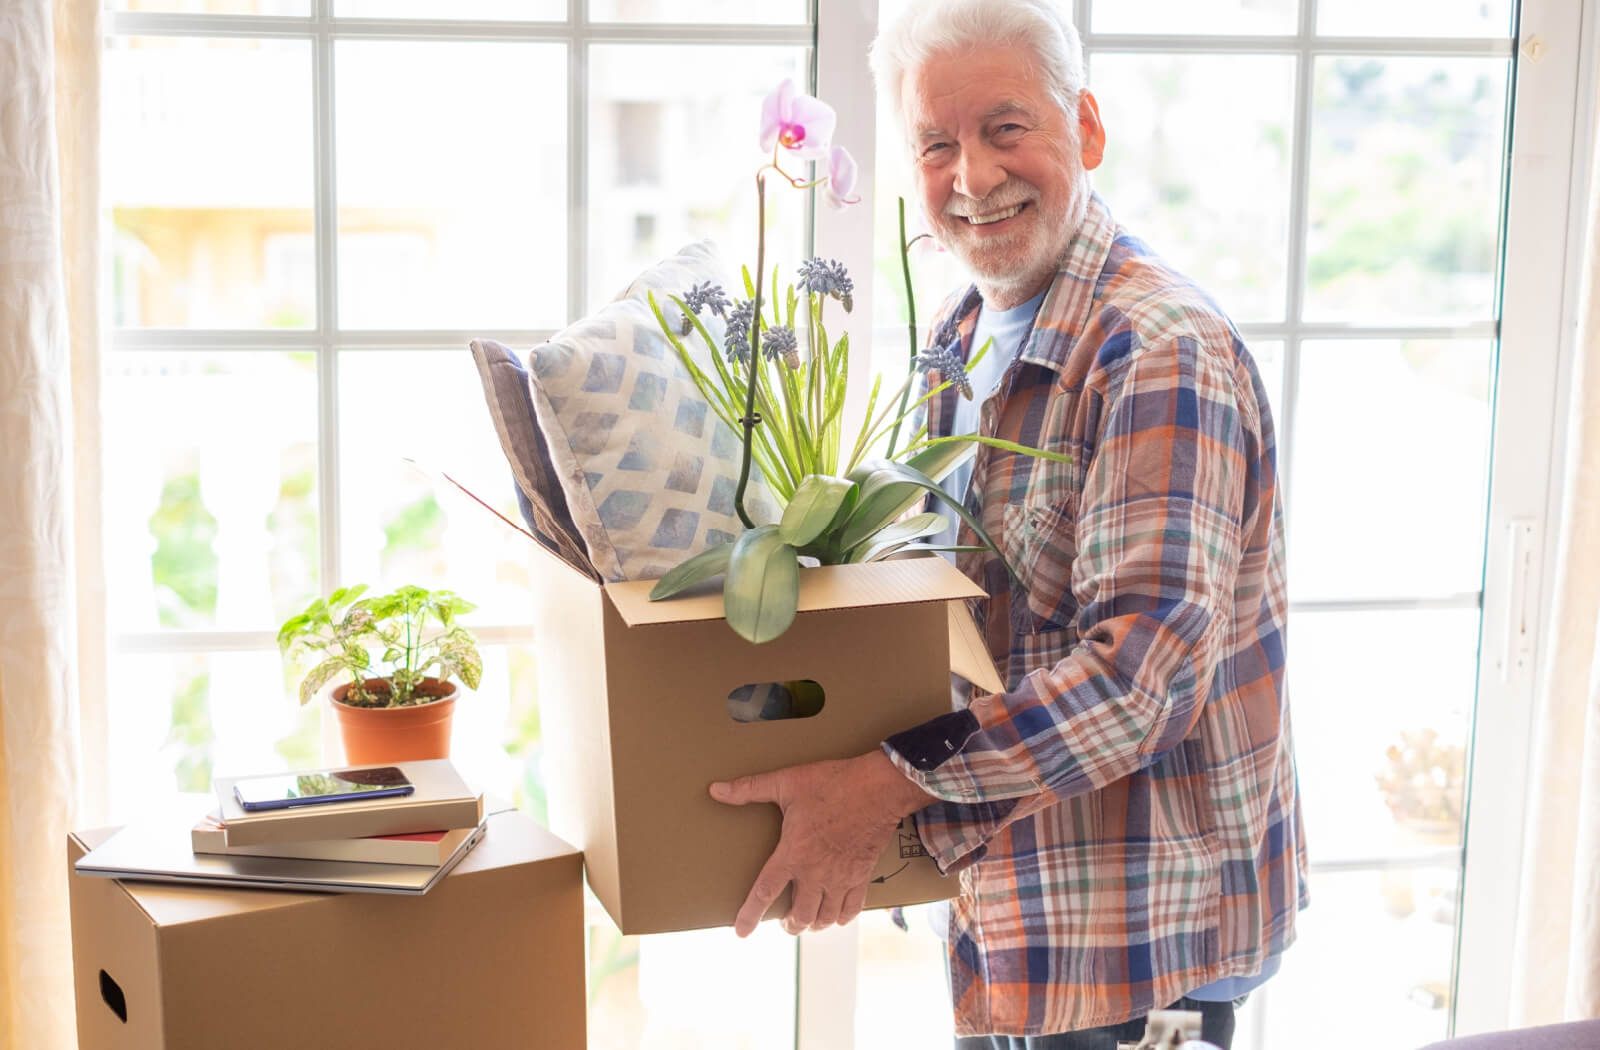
(1556, 961)
(51, 630)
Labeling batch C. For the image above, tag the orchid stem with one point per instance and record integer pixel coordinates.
(911, 325)
(749, 420)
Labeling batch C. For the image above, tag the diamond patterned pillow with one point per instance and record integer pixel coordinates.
(539, 496)
(647, 469)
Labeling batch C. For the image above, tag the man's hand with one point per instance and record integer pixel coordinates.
(837, 818)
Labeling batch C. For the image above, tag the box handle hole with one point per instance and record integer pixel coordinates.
(775, 701)
(111, 992)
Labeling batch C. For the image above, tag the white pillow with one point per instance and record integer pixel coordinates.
(648, 470)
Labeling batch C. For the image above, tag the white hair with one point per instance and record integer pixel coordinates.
(1042, 28)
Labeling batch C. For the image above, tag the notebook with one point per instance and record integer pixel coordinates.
(160, 852)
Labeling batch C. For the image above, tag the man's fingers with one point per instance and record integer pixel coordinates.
(803, 912)
(828, 913)
(769, 884)
(740, 790)
(852, 904)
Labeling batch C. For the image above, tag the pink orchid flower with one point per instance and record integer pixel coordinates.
(799, 123)
(841, 182)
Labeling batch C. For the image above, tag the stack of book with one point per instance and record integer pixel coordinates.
(399, 844)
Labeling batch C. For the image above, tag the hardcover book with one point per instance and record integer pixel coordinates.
(441, 800)
(424, 847)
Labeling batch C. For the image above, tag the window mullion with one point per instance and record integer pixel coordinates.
(578, 163)
(326, 225)
(1299, 225)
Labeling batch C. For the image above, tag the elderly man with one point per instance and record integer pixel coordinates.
(1125, 816)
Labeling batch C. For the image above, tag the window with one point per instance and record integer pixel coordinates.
(315, 204)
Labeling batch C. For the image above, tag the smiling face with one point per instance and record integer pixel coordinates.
(999, 168)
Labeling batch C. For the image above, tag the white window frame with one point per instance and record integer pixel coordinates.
(1546, 237)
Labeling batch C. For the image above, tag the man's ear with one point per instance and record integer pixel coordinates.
(1090, 131)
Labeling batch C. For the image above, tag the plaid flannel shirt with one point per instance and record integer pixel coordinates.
(1128, 808)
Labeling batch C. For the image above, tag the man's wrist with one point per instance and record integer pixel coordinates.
(902, 795)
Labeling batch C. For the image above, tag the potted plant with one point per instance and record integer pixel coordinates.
(1423, 783)
(778, 381)
(400, 707)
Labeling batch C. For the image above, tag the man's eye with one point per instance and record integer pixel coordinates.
(1008, 129)
(934, 147)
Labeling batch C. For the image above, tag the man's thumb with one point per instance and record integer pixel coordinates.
(741, 790)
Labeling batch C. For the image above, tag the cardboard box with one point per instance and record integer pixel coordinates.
(633, 705)
(492, 957)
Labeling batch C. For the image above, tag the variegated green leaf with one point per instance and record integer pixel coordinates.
(318, 677)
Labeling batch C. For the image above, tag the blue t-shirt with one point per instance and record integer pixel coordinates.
(1007, 328)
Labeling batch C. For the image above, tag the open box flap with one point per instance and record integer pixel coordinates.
(969, 657)
(898, 581)
(585, 570)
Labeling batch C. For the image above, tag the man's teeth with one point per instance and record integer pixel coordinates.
(984, 220)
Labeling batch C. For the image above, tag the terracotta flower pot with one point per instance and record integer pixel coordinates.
(374, 735)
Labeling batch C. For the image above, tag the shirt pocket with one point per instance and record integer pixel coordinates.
(1040, 542)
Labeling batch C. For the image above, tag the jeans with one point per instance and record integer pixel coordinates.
(1216, 1026)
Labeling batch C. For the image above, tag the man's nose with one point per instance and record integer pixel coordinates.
(979, 172)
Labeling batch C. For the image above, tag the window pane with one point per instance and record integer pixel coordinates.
(1422, 18)
(1214, 206)
(452, 184)
(1194, 16)
(1402, 987)
(497, 10)
(1391, 453)
(902, 993)
(210, 489)
(175, 720)
(701, 990)
(675, 148)
(217, 7)
(208, 177)
(935, 273)
(767, 12)
(1269, 364)
(399, 524)
(1405, 189)
(1382, 706)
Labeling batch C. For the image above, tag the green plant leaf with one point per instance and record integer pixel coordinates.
(812, 508)
(471, 669)
(885, 495)
(936, 548)
(762, 591)
(899, 533)
(885, 483)
(318, 677)
(938, 461)
(713, 561)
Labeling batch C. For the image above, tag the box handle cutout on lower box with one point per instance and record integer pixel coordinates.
(111, 992)
(775, 701)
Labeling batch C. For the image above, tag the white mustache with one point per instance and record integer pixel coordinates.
(1006, 196)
